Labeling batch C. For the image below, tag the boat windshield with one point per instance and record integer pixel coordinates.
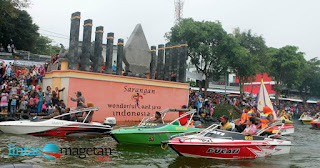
(188, 112)
(231, 135)
(88, 111)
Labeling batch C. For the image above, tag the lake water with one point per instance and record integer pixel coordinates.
(304, 153)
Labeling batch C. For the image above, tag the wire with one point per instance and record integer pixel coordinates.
(53, 32)
(54, 36)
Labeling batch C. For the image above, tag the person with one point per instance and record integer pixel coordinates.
(158, 118)
(61, 104)
(266, 119)
(225, 124)
(183, 120)
(9, 48)
(13, 105)
(114, 66)
(245, 115)
(251, 128)
(23, 105)
(67, 117)
(80, 100)
(56, 95)
(48, 95)
(13, 48)
(1, 48)
(40, 96)
(56, 112)
(80, 103)
(4, 101)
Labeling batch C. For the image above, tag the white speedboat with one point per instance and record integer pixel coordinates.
(305, 119)
(58, 127)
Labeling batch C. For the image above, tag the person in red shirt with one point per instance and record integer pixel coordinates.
(184, 120)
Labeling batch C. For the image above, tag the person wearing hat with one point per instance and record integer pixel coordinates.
(266, 119)
(225, 124)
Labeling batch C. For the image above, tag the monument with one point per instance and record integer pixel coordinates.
(73, 56)
(137, 53)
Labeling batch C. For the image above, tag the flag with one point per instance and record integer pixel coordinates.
(264, 99)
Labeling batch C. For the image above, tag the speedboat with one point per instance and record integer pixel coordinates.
(305, 119)
(315, 123)
(287, 120)
(220, 144)
(153, 133)
(56, 126)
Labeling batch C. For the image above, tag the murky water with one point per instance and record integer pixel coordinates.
(304, 153)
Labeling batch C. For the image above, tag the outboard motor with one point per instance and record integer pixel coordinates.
(110, 121)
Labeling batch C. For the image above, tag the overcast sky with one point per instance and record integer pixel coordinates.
(280, 22)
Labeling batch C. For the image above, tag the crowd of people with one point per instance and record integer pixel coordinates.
(205, 105)
(21, 91)
(10, 48)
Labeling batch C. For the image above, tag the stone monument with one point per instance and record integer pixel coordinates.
(73, 56)
(137, 53)
(86, 46)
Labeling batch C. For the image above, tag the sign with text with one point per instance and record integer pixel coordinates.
(127, 101)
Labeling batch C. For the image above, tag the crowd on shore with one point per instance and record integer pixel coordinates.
(206, 105)
(21, 90)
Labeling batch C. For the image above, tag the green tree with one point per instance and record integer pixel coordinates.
(18, 28)
(287, 65)
(208, 45)
(251, 57)
(21, 30)
(43, 46)
(310, 80)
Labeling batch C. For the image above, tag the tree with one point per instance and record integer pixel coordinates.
(21, 31)
(310, 80)
(251, 57)
(287, 65)
(18, 28)
(208, 45)
(43, 46)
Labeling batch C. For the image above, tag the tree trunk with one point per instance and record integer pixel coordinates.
(206, 86)
(277, 93)
(200, 86)
(240, 87)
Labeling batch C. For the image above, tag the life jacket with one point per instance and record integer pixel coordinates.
(244, 117)
(264, 120)
(249, 114)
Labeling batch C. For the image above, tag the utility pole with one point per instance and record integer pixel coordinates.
(178, 10)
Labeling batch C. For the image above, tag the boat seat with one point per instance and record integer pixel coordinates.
(233, 127)
(176, 122)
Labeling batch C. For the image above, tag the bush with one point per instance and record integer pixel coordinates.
(225, 109)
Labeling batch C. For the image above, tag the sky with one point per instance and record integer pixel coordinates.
(279, 22)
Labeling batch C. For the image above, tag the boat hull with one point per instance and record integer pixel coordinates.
(243, 147)
(315, 124)
(286, 130)
(54, 127)
(229, 152)
(150, 136)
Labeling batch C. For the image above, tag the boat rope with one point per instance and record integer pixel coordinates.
(164, 146)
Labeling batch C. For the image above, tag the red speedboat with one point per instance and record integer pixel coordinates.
(315, 123)
(215, 143)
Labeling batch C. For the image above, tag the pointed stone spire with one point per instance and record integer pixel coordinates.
(137, 52)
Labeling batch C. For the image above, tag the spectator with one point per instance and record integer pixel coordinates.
(1, 48)
(9, 48)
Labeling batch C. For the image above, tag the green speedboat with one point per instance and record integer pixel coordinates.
(153, 133)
